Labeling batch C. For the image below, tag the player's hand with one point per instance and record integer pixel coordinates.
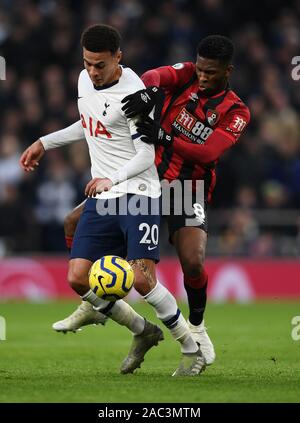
(31, 156)
(97, 185)
(141, 102)
(153, 133)
(104, 184)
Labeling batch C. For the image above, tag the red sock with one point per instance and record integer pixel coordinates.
(69, 242)
(196, 293)
(198, 282)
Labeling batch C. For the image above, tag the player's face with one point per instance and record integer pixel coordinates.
(212, 75)
(103, 67)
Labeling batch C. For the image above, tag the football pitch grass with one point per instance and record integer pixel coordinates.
(257, 360)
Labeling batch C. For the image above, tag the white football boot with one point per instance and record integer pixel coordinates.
(150, 337)
(82, 316)
(201, 337)
(191, 364)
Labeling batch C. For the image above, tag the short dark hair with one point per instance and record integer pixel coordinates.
(216, 47)
(99, 38)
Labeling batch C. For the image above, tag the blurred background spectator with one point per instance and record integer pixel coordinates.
(255, 209)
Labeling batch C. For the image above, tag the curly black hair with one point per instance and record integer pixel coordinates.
(216, 47)
(99, 38)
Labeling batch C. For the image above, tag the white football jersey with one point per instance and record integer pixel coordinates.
(111, 137)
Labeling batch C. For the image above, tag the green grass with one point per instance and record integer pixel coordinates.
(257, 360)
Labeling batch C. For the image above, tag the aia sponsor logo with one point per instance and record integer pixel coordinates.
(95, 128)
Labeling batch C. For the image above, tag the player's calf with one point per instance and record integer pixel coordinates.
(168, 312)
(78, 275)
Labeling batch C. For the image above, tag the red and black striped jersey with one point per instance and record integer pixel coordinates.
(203, 127)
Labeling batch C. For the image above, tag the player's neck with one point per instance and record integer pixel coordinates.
(116, 76)
(112, 81)
(217, 91)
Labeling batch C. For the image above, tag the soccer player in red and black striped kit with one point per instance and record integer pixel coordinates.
(201, 118)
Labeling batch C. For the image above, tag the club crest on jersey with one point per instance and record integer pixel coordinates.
(194, 96)
(106, 105)
(212, 117)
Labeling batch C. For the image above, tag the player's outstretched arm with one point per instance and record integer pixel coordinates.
(65, 136)
(31, 156)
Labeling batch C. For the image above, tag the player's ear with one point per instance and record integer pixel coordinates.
(229, 70)
(119, 56)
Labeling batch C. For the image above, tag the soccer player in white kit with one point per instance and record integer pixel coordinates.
(123, 173)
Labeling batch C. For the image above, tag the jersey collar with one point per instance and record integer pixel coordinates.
(105, 86)
(216, 95)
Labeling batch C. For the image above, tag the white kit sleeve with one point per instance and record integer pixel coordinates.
(65, 136)
(144, 158)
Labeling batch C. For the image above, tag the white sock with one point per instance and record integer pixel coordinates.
(119, 311)
(168, 312)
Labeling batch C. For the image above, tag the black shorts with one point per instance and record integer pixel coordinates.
(194, 216)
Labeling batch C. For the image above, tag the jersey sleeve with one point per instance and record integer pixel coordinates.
(65, 136)
(223, 138)
(234, 122)
(144, 158)
(169, 77)
(85, 84)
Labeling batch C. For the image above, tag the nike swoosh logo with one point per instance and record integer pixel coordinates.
(151, 248)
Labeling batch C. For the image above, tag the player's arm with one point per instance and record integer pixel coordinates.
(217, 143)
(223, 137)
(157, 81)
(144, 158)
(169, 77)
(31, 156)
(65, 136)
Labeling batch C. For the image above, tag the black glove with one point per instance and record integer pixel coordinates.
(142, 102)
(153, 133)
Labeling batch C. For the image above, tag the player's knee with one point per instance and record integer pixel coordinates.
(193, 263)
(144, 281)
(77, 281)
(141, 285)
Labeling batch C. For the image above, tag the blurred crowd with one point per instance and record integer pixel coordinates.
(257, 199)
